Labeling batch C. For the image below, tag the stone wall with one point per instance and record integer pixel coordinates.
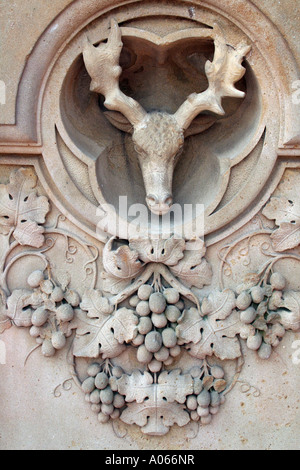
(69, 277)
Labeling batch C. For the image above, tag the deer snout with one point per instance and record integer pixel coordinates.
(159, 205)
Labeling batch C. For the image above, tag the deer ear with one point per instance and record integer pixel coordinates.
(200, 124)
(119, 121)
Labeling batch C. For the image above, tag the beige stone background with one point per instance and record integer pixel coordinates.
(33, 417)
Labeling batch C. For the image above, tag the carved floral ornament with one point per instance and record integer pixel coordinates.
(163, 328)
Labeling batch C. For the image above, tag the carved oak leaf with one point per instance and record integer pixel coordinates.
(104, 334)
(290, 318)
(20, 205)
(156, 406)
(18, 307)
(286, 213)
(193, 270)
(215, 332)
(167, 251)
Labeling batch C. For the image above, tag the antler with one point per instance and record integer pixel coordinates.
(222, 73)
(102, 64)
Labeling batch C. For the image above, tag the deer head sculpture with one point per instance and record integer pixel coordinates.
(158, 137)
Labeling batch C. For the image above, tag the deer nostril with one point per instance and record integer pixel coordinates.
(168, 200)
(151, 200)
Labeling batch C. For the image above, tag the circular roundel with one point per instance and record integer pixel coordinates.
(226, 167)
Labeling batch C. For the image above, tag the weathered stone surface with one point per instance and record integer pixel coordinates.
(181, 334)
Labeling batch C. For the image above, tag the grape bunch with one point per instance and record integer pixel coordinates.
(53, 311)
(207, 398)
(101, 391)
(262, 328)
(158, 313)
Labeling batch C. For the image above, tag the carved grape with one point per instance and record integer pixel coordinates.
(265, 351)
(153, 341)
(243, 300)
(143, 355)
(157, 302)
(48, 349)
(39, 316)
(277, 281)
(35, 278)
(172, 313)
(101, 380)
(171, 295)
(248, 316)
(145, 325)
(57, 294)
(93, 369)
(143, 308)
(65, 313)
(88, 385)
(58, 340)
(159, 320)
(145, 291)
(254, 342)
(169, 338)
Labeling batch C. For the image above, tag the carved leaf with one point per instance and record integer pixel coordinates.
(281, 209)
(286, 237)
(220, 303)
(124, 324)
(286, 213)
(189, 328)
(156, 406)
(175, 386)
(135, 387)
(19, 205)
(155, 416)
(290, 318)
(193, 270)
(121, 263)
(104, 334)
(219, 337)
(167, 251)
(17, 310)
(113, 285)
(5, 321)
(216, 332)
(95, 304)
(29, 233)
(94, 337)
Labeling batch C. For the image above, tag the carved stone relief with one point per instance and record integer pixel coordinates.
(156, 320)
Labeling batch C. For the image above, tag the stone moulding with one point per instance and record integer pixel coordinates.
(159, 300)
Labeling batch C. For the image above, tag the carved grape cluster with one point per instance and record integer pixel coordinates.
(158, 312)
(52, 314)
(208, 384)
(101, 390)
(262, 315)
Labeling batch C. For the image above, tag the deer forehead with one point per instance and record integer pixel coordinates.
(158, 134)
